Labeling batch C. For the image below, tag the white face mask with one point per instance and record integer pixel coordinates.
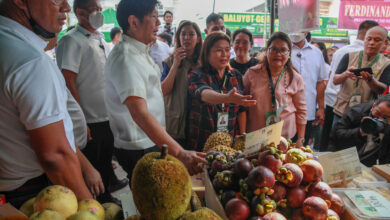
(297, 37)
(96, 19)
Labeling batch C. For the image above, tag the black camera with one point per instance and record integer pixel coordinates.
(373, 126)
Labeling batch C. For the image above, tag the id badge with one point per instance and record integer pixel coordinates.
(356, 98)
(270, 118)
(223, 121)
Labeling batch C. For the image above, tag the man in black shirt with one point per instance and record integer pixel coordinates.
(348, 132)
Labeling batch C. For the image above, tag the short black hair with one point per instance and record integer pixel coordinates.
(114, 31)
(83, 4)
(384, 98)
(166, 37)
(133, 7)
(168, 12)
(365, 25)
(244, 31)
(212, 18)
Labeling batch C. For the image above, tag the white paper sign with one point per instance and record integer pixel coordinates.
(255, 140)
(335, 163)
(128, 205)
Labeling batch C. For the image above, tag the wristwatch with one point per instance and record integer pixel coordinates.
(301, 139)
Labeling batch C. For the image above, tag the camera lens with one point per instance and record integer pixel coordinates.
(373, 126)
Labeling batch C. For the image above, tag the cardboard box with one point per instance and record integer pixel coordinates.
(198, 185)
(212, 201)
(8, 210)
(382, 170)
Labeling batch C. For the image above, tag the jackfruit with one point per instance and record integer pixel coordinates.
(161, 186)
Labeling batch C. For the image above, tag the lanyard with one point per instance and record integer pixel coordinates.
(372, 62)
(223, 87)
(271, 85)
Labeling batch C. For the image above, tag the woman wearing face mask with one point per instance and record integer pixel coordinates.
(216, 100)
(278, 90)
(188, 43)
(242, 44)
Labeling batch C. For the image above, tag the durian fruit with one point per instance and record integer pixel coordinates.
(161, 186)
(218, 138)
(223, 149)
(199, 213)
(239, 143)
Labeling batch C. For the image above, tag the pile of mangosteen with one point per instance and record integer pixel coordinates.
(281, 182)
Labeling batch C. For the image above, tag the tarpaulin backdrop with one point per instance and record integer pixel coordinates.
(353, 12)
(298, 15)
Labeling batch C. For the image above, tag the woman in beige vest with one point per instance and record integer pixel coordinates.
(188, 43)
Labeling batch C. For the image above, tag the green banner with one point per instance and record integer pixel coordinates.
(328, 28)
(254, 22)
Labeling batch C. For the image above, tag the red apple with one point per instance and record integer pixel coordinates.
(296, 196)
(312, 171)
(315, 208)
(237, 209)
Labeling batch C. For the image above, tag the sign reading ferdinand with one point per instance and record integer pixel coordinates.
(353, 12)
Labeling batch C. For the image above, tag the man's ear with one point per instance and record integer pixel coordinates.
(133, 22)
(205, 31)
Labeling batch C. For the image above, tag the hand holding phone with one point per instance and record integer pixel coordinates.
(357, 72)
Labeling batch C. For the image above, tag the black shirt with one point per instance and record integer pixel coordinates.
(343, 66)
(346, 133)
(243, 67)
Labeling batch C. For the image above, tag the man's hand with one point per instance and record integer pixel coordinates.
(94, 182)
(193, 160)
(244, 100)
(366, 76)
(320, 115)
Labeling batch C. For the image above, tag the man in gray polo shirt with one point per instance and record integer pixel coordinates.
(133, 91)
(81, 55)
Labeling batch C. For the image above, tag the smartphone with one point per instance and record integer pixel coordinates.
(365, 69)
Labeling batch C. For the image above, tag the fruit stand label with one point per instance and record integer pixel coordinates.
(370, 203)
(128, 205)
(255, 140)
(336, 163)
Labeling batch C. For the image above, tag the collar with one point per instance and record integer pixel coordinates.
(228, 71)
(358, 42)
(141, 47)
(89, 34)
(23, 33)
(306, 45)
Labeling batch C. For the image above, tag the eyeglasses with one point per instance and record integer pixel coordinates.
(59, 2)
(276, 51)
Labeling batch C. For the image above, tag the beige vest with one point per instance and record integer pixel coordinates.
(351, 87)
(176, 100)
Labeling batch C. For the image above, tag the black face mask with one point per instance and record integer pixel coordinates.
(36, 27)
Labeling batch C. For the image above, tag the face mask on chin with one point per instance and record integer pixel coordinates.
(96, 19)
(297, 37)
